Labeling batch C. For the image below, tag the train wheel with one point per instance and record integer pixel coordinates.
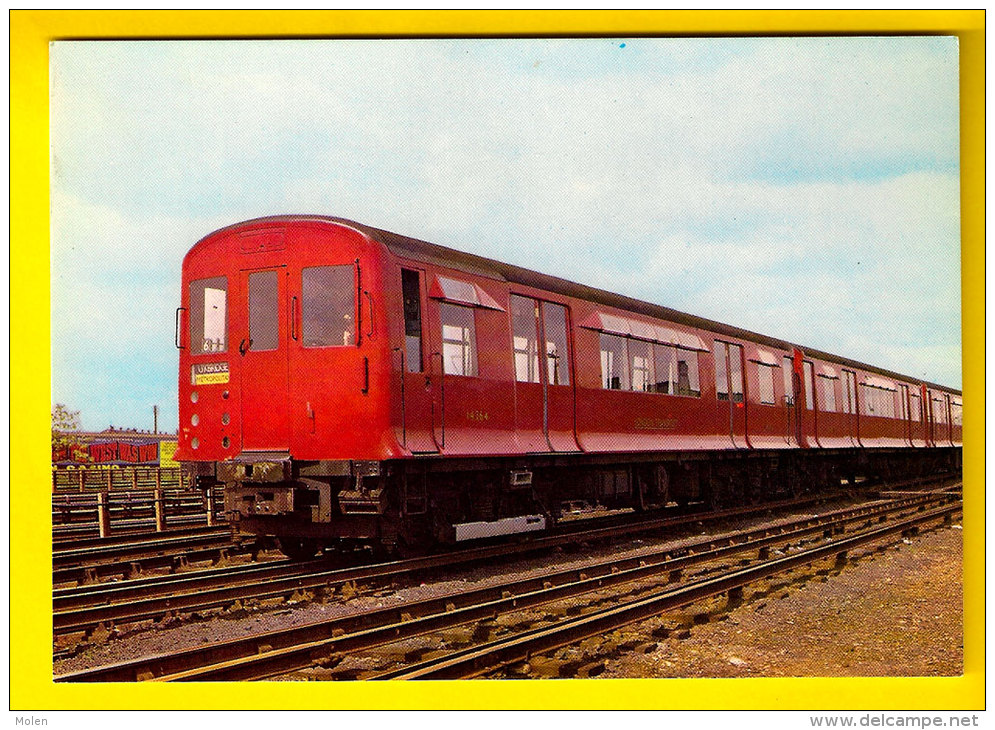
(298, 548)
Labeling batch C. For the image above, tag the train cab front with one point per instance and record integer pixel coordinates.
(280, 393)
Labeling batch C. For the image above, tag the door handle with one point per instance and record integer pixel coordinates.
(244, 345)
(179, 330)
(442, 394)
(369, 301)
(293, 318)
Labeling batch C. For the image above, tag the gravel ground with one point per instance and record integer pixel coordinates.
(255, 619)
(896, 612)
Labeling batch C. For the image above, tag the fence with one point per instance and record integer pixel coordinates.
(92, 497)
(82, 479)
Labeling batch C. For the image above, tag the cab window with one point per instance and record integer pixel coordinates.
(328, 311)
(209, 315)
(264, 310)
(411, 292)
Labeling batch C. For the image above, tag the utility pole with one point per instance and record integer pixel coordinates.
(155, 419)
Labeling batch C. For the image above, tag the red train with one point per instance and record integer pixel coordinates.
(348, 384)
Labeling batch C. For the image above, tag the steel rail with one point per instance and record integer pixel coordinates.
(175, 558)
(83, 608)
(273, 652)
(127, 538)
(86, 555)
(495, 654)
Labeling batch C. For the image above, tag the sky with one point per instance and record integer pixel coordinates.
(804, 188)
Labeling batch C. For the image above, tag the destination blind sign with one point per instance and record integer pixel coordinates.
(210, 373)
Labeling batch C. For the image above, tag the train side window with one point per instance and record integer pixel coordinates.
(328, 309)
(808, 369)
(765, 383)
(554, 322)
(827, 393)
(411, 294)
(736, 372)
(459, 340)
(663, 368)
(641, 364)
(721, 372)
(687, 374)
(849, 392)
(939, 410)
(264, 310)
(675, 371)
(209, 315)
(887, 398)
(729, 371)
(902, 396)
(789, 388)
(915, 411)
(957, 413)
(525, 338)
(614, 373)
(878, 401)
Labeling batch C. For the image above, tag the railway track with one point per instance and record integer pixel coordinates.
(326, 642)
(84, 564)
(90, 607)
(495, 655)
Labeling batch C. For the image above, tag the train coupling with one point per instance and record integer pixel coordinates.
(364, 502)
(367, 495)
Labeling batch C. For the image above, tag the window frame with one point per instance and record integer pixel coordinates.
(825, 384)
(520, 304)
(305, 316)
(196, 343)
(768, 369)
(465, 345)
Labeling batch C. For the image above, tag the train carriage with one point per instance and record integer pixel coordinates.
(347, 384)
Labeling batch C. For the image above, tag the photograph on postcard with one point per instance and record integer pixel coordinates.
(506, 358)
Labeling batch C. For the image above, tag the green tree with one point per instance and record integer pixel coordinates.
(66, 425)
(64, 421)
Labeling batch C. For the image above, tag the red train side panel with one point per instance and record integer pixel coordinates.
(327, 368)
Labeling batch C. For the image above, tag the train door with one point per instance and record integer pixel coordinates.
(807, 410)
(544, 401)
(950, 423)
(941, 419)
(927, 415)
(903, 412)
(729, 367)
(790, 409)
(916, 431)
(558, 389)
(260, 327)
(530, 393)
(850, 406)
(417, 433)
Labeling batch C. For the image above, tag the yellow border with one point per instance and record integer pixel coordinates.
(30, 659)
